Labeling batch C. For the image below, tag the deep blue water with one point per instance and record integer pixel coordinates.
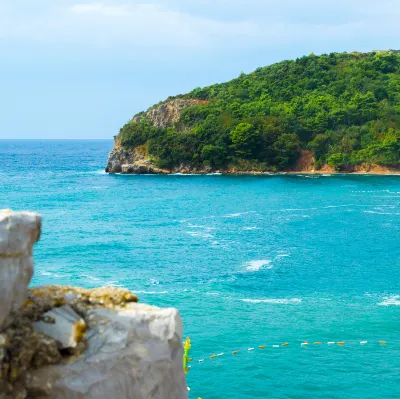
(248, 261)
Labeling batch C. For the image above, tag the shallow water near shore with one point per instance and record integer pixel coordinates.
(248, 260)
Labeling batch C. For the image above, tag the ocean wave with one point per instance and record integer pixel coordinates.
(323, 207)
(256, 265)
(152, 292)
(48, 273)
(91, 278)
(382, 213)
(199, 226)
(185, 174)
(92, 172)
(292, 301)
(198, 234)
(393, 300)
(236, 215)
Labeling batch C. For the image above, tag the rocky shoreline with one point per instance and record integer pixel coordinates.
(137, 162)
(62, 342)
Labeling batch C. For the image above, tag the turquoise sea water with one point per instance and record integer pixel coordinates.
(249, 261)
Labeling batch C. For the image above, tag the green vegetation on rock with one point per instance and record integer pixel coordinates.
(345, 108)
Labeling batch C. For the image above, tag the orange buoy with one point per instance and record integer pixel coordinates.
(212, 357)
(234, 352)
(383, 342)
(262, 346)
(317, 343)
(285, 344)
(340, 343)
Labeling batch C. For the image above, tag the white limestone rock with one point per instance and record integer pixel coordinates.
(133, 353)
(62, 324)
(19, 231)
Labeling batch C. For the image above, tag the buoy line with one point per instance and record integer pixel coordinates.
(286, 344)
(275, 346)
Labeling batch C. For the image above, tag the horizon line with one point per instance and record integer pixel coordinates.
(76, 139)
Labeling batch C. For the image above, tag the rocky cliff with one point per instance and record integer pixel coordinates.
(136, 160)
(73, 343)
(167, 113)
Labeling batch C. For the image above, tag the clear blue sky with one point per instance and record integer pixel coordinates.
(81, 68)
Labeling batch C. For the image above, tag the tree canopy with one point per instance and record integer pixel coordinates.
(345, 108)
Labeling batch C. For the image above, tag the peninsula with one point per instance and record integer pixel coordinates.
(336, 112)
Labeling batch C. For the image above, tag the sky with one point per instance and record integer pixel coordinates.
(80, 69)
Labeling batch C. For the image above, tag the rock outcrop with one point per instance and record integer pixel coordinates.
(66, 342)
(167, 113)
(136, 161)
(18, 233)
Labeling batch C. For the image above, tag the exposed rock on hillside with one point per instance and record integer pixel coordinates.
(167, 113)
(136, 161)
(66, 342)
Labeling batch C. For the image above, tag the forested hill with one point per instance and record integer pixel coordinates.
(344, 108)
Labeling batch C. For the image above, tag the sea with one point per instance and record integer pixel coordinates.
(250, 261)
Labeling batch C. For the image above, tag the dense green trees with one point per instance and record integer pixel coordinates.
(345, 108)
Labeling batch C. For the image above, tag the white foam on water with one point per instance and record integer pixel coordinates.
(237, 215)
(48, 273)
(292, 301)
(282, 256)
(185, 174)
(256, 265)
(199, 234)
(250, 228)
(93, 172)
(114, 283)
(393, 300)
(199, 226)
(152, 292)
(233, 215)
(381, 213)
(89, 277)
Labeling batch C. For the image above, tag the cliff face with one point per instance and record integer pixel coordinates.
(167, 113)
(136, 161)
(73, 343)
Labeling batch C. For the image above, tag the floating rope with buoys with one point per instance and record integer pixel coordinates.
(187, 346)
(286, 344)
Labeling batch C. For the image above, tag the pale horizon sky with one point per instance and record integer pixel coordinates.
(81, 69)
